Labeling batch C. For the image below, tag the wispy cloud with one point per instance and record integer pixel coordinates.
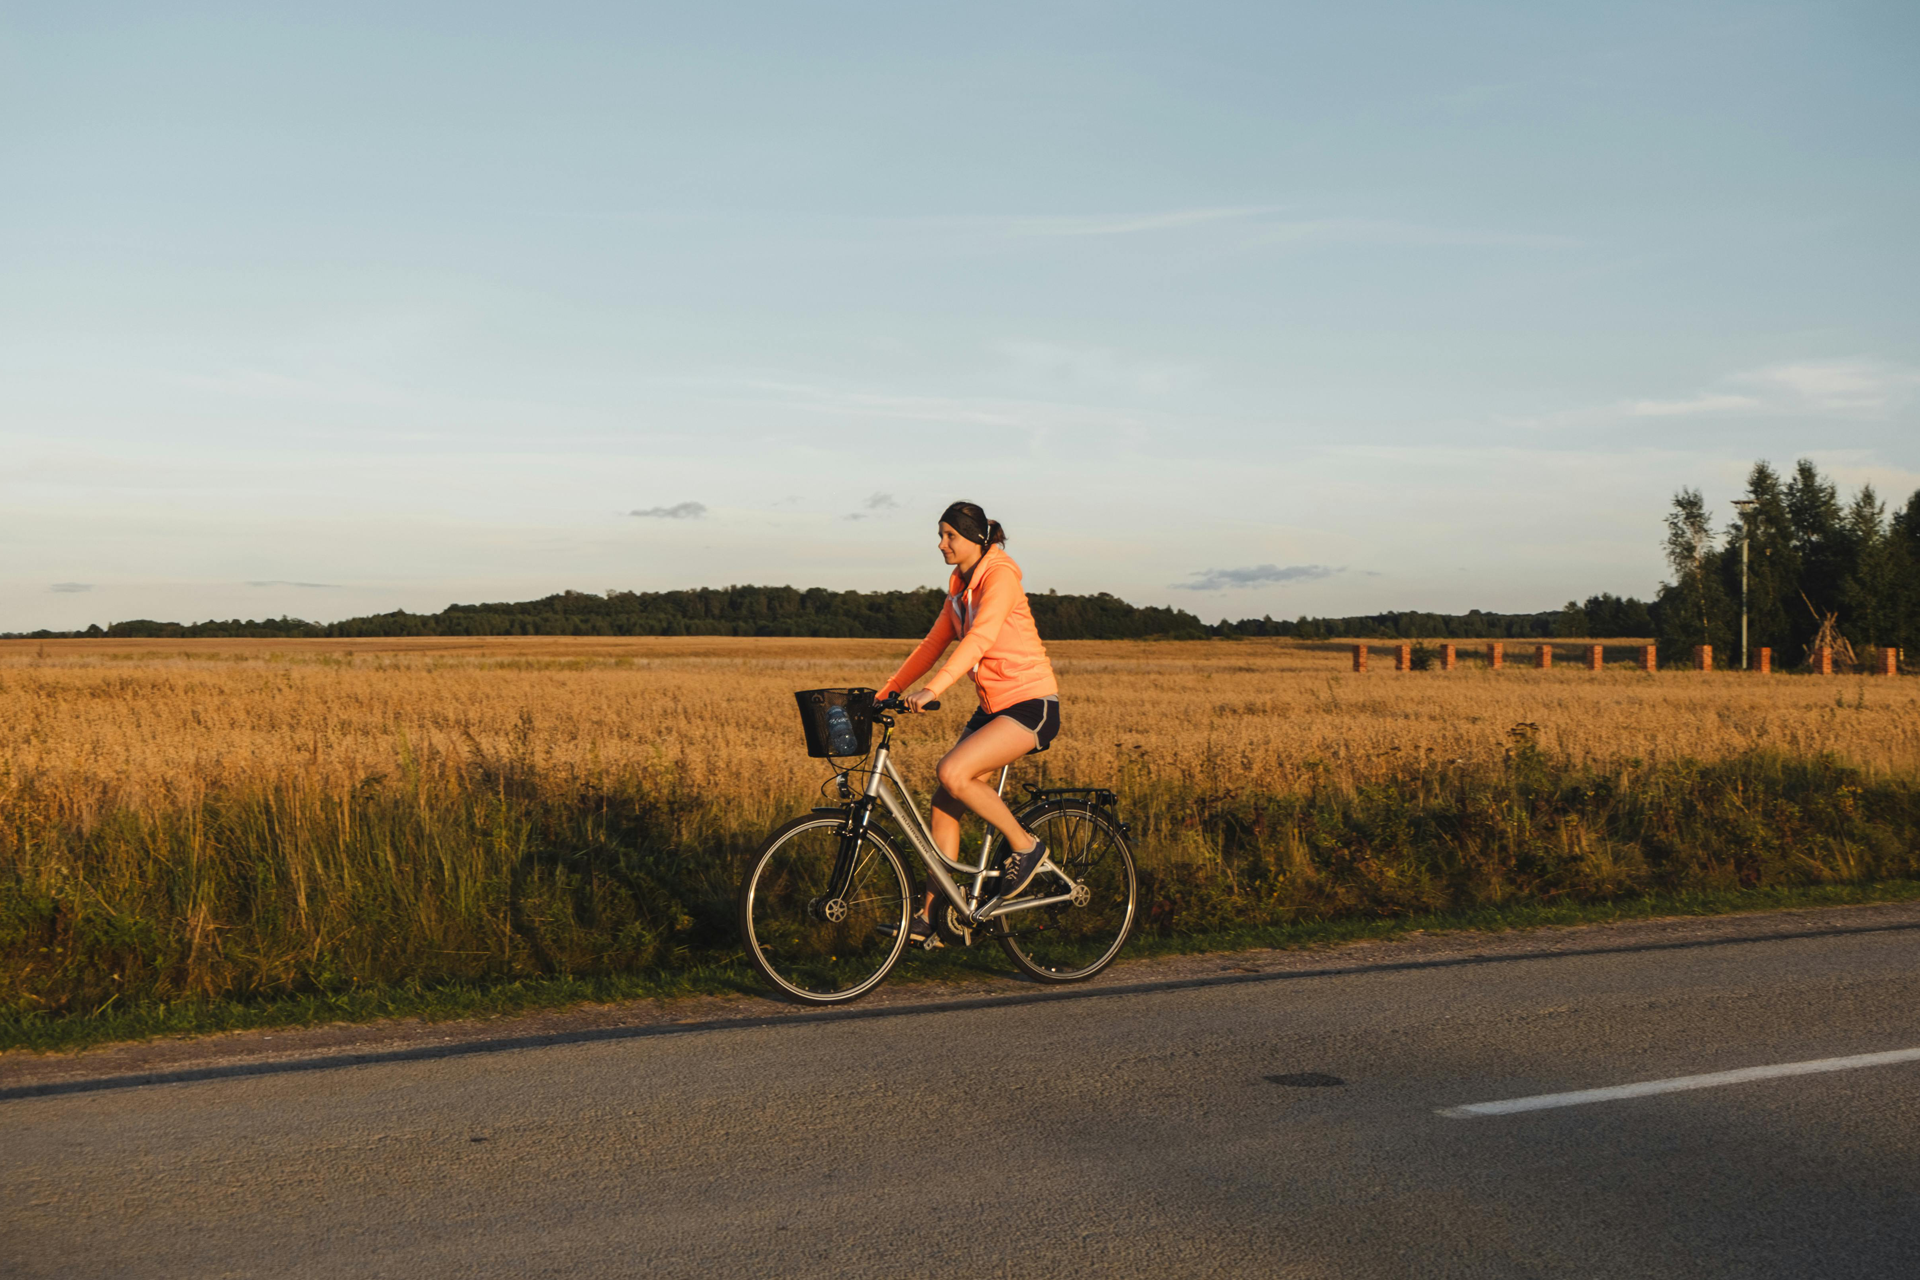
(881, 502)
(70, 588)
(1097, 368)
(966, 411)
(678, 511)
(1692, 405)
(1263, 227)
(283, 582)
(1837, 385)
(1858, 387)
(1259, 575)
(1127, 224)
(1392, 231)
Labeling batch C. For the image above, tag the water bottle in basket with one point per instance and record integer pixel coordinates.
(838, 722)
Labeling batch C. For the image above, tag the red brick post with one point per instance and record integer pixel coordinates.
(1360, 658)
(1763, 661)
(1889, 664)
(1596, 657)
(1496, 654)
(1403, 657)
(1650, 658)
(1446, 657)
(1543, 657)
(1823, 661)
(1703, 657)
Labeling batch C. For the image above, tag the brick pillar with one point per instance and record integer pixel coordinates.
(1889, 663)
(1703, 657)
(1596, 657)
(1543, 657)
(1496, 654)
(1650, 658)
(1403, 657)
(1763, 661)
(1446, 657)
(1823, 661)
(1360, 658)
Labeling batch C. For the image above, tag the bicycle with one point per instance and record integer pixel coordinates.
(826, 904)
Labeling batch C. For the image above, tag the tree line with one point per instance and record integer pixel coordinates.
(705, 611)
(1809, 557)
(791, 611)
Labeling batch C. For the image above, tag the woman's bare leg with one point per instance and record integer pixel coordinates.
(965, 786)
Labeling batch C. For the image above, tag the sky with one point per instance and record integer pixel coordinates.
(1247, 309)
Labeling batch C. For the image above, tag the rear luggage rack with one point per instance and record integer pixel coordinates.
(1099, 795)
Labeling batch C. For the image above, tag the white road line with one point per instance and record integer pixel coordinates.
(1646, 1088)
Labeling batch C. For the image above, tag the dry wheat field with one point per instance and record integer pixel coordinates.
(229, 822)
(155, 724)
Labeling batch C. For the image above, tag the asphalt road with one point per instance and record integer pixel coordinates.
(1190, 1131)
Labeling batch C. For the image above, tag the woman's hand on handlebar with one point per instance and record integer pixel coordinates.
(922, 701)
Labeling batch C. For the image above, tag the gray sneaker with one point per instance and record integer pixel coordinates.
(1017, 872)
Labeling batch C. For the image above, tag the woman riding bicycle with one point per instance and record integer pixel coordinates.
(986, 611)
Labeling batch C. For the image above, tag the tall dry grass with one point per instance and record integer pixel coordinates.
(153, 725)
(235, 818)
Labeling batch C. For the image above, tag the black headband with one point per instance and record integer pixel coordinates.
(965, 523)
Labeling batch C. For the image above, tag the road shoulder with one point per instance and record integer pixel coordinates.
(252, 1052)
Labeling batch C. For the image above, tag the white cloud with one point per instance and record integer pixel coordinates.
(1267, 230)
(1835, 385)
(678, 511)
(1395, 232)
(1133, 224)
(1097, 368)
(963, 411)
(1857, 387)
(1260, 575)
(1706, 403)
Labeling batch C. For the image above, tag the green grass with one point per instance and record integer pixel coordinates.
(449, 1001)
(513, 891)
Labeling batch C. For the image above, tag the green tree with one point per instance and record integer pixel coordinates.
(1572, 622)
(1693, 607)
(1774, 609)
(1820, 544)
(1903, 547)
(1870, 590)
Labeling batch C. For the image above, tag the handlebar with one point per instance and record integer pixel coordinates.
(894, 702)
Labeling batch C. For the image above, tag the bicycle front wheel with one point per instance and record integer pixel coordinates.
(824, 915)
(1072, 941)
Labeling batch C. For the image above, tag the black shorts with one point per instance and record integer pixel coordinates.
(1038, 716)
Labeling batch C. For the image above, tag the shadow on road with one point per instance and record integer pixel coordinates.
(1031, 995)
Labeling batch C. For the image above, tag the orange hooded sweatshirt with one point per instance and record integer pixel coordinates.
(998, 646)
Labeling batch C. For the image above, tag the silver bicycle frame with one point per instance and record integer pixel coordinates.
(884, 783)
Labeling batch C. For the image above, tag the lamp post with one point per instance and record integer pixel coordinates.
(1745, 506)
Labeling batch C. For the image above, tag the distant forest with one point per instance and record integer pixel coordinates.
(788, 611)
(1809, 556)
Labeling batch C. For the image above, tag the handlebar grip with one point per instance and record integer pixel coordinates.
(895, 702)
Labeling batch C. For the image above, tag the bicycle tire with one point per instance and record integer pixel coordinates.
(785, 917)
(1067, 943)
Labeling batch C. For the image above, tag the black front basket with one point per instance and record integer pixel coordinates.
(838, 722)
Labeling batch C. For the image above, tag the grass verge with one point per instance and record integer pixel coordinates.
(464, 999)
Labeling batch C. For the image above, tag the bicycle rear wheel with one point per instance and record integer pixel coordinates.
(1069, 942)
(815, 942)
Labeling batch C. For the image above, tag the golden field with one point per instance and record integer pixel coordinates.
(154, 724)
(192, 831)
